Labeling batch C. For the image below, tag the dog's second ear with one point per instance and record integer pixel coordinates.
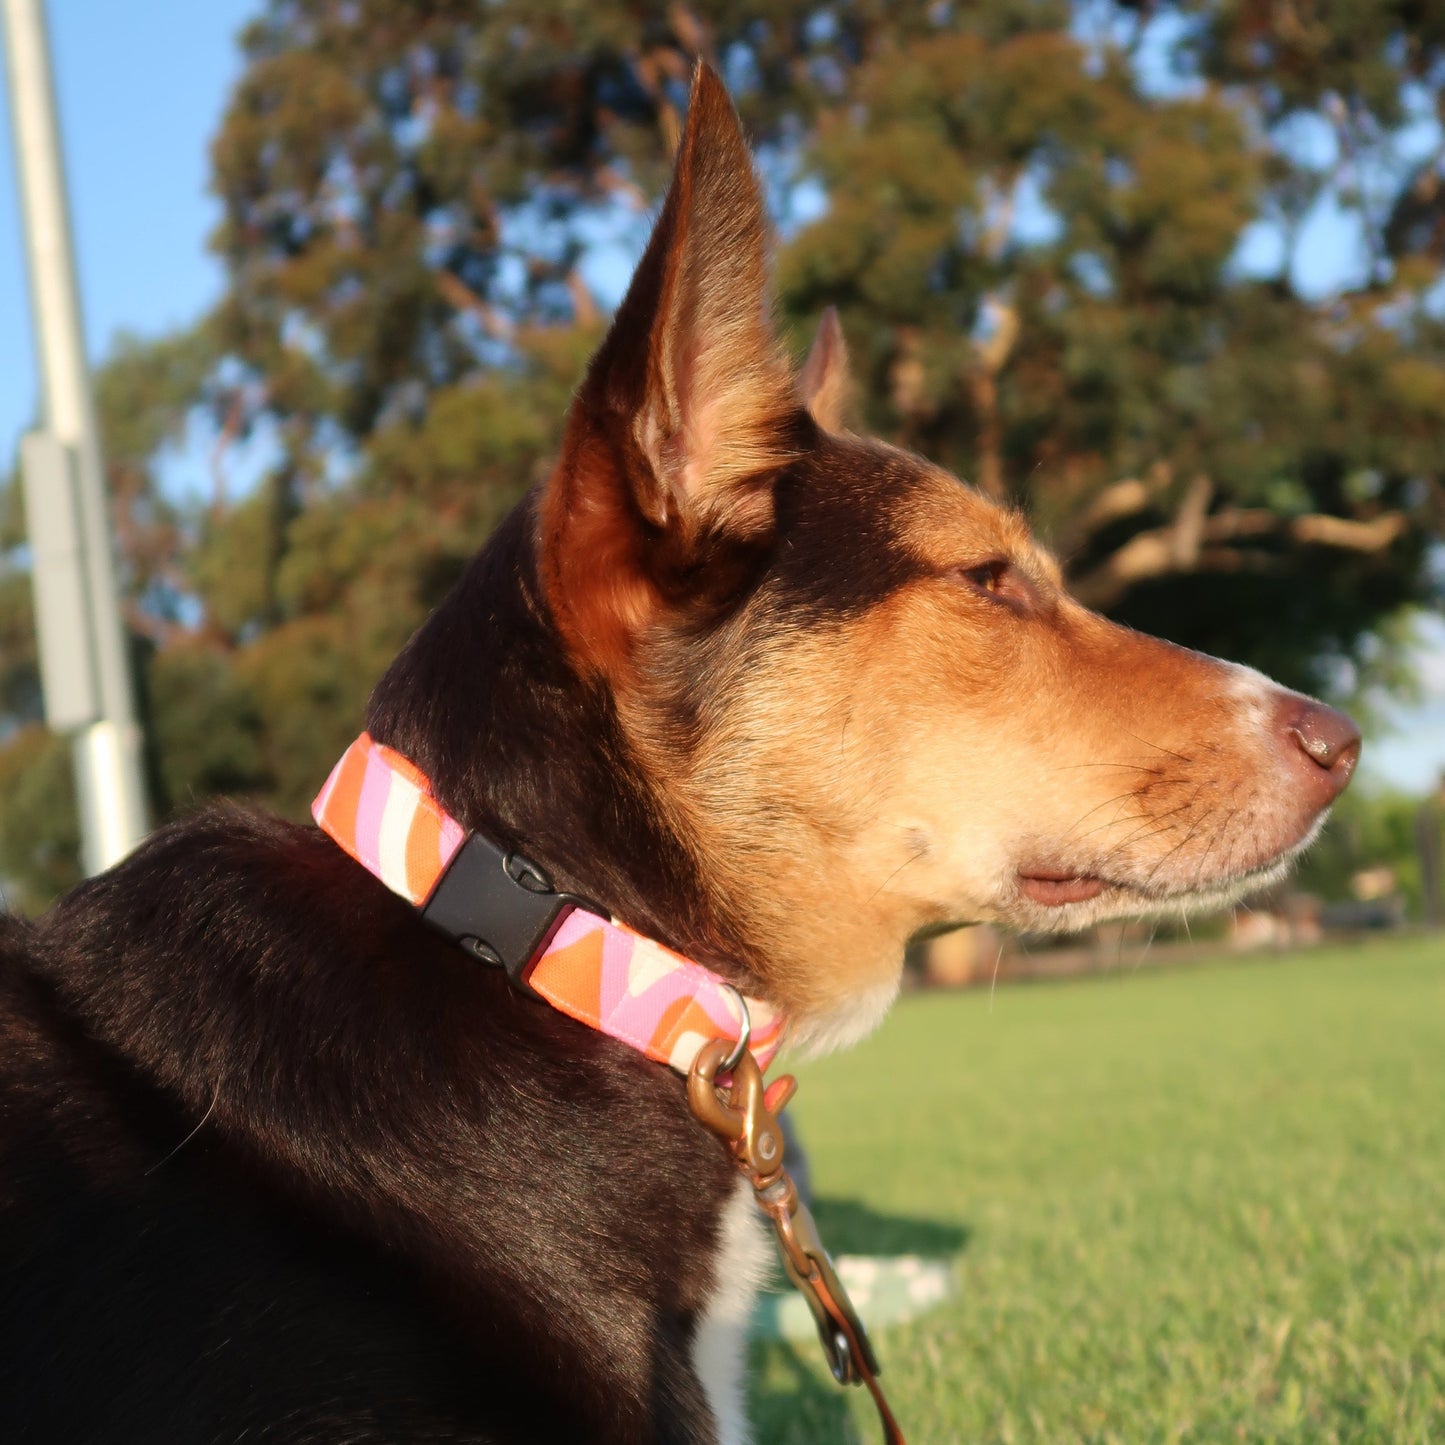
(824, 380)
(688, 408)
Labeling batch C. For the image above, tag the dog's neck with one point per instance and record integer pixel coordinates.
(381, 812)
(517, 744)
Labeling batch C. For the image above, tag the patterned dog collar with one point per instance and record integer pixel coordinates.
(379, 808)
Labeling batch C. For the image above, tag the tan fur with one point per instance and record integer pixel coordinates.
(862, 782)
(920, 762)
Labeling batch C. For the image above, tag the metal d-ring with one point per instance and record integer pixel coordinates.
(736, 1057)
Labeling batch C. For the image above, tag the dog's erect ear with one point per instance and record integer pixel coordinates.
(688, 408)
(692, 362)
(824, 381)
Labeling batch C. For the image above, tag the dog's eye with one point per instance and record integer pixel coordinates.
(1000, 581)
(988, 577)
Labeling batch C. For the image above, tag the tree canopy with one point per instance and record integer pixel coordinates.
(1065, 240)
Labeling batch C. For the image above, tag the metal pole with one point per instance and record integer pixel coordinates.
(107, 750)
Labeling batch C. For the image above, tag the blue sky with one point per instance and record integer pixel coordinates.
(141, 87)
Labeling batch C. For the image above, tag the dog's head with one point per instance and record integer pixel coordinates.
(857, 690)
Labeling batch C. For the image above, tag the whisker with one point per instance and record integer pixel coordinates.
(907, 862)
(1158, 747)
(1222, 831)
(1136, 767)
(201, 1124)
(1146, 828)
(1146, 824)
(1117, 798)
(1148, 944)
(1183, 842)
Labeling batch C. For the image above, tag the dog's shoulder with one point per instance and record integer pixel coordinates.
(261, 1138)
(157, 1281)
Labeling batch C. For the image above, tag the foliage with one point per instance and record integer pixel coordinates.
(1032, 219)
(1033, 250)
(1369, 829)
(1199, 1205)
(39, 826)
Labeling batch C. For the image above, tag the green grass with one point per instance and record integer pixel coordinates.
(1204, 1204)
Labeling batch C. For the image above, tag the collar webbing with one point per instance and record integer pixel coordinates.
(379, 808)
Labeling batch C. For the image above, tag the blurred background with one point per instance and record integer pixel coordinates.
(1168, 276)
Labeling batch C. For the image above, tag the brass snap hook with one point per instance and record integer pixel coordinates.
(747, 1117)
(704, 1097)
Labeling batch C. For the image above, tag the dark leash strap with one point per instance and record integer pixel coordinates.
(744, 1114)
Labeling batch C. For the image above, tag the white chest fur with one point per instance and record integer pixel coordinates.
(719, 1349)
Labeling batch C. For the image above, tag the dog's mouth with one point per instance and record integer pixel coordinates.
(1053, 887)
(1058, 888)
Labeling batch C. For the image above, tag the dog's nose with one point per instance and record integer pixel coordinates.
(1326, 743)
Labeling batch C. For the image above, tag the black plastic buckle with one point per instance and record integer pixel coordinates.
(497, 905)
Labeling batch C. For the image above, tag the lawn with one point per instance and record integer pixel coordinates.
(1196, 1204)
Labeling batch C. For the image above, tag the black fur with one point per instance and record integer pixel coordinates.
(278, 1163)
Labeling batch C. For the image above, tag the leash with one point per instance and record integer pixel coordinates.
(745, 1116)
(567, 951)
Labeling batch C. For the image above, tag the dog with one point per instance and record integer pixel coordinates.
(280, 1161)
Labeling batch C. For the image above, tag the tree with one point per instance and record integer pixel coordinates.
(1030, 214)
(1371, 829)
(1216, 456)
(1030, 234)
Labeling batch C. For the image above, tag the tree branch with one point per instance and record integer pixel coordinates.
(585, 311)
(230, 430)
(992, 354)
(1321, 530)
(1200, 547)
(463, 298)
(1190, 522)
(1119, 500)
